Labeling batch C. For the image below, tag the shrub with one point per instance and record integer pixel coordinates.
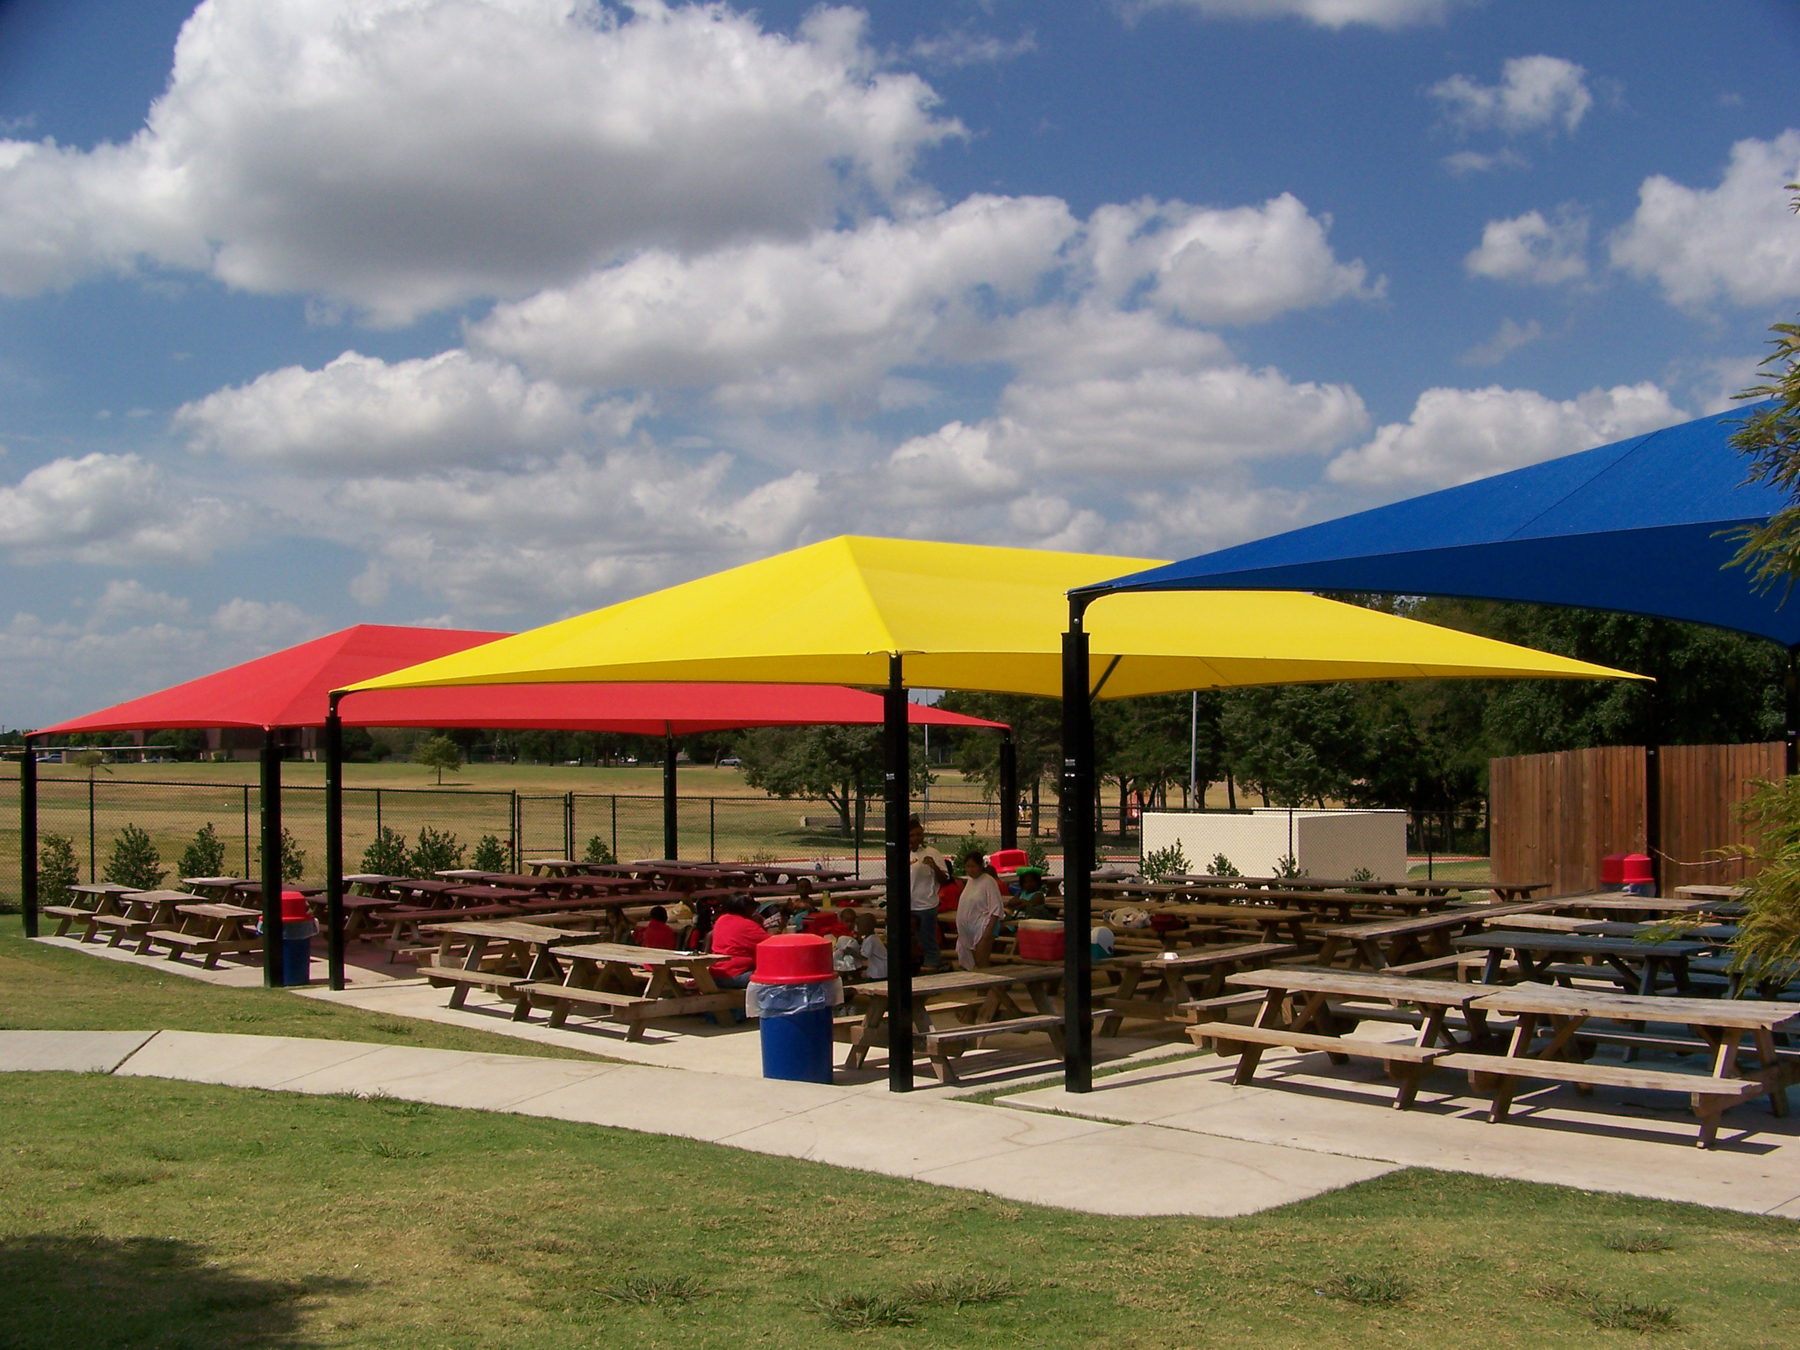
(57, 868)
(134, 861)
(1768, 941)
(1036, 855)
(387, 856)
(205, 857)
(1164, 862)
(1221, 866)
(598, 852)
(435, 852)
(1288, 867)
(293, 857)
(1362, 874)
(490, 854)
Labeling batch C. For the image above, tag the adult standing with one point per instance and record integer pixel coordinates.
(978, 912)
(930, 870)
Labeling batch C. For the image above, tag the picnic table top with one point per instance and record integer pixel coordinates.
(218, 909)
(1233, 913)
(211, 881)
(1443, 918)
(1358, 984)
(1712, 892)
(104, 888)
(507, 930)
(1323, 884)
(497, 895)
(157, 897)
(1669, 904)
(1555, 1001)
(636, 956)
(1308, 896)
(960, 981)
(1202, 957)
(1577, 943)
(255, 888)
(1564, 923)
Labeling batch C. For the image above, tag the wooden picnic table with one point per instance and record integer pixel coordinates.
(213, 888)
(1322, 884)
(1622, 905)
(1417, 943)
(523, 956)
(1721, 1026)
(1637, 963)
(102, 898)
(1712, 892)
(359, 912)
(943, 1042)
(1504, 891)
(1569, 923)
(1344, 904)
(633, 985)
(554, 867)
(136, 914)
(1315, 1025)
(209, 929)
(1156, 986)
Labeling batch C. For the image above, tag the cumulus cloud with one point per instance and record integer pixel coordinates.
(1458, 435)
(111, 509)
(1507, 339)
(1535, 93)
(1462, 163)
(1325, 13)
(1531, 248)
(1737, 242)
(362, 413)
(1243, 265)
(520, 143)
(786, 324)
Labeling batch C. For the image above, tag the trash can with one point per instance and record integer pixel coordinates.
(297, 930)
(1637, 878)
(794, 993)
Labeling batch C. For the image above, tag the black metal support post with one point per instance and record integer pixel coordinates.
(897, 776)
(28, 840)
(271, 857)
(334, 845)
(1653, 789)
(1009, 792)
(1791, 687)
(671, 825)
(1077, 826)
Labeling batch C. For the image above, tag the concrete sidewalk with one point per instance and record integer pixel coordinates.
(1088, 1165)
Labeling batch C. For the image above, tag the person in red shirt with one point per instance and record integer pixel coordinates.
(655, 931)
(735, 935)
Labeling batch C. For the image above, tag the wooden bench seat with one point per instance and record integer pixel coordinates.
(198, 944)
(1406, 1064)
(121, 927)
(460, 981)
(1011, 1026)
(68, 914)
(1219, 1008)
(1709, 1096)
(635, 1009)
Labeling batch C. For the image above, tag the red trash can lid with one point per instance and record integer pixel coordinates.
(793, 958)
(293, 907)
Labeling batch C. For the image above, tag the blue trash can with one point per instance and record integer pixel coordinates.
(794, 994)
(297, 931)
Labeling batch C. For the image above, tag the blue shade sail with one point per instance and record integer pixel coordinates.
(1642, 526)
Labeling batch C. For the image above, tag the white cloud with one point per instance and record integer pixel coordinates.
(520, 142)
(362, 413)
(1737, 242)
(1462, 163)
(958, 47)
(786, 324)
(1243, 265)
(1325, 13)
(1458, 435)
(1535, 93)
(1507, 339)
(1532, 248)
(113, 509)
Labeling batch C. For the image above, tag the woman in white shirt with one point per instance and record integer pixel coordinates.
(977, 913)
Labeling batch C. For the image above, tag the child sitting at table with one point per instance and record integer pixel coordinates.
(870, 948)
(1030, 902)
(655, 931)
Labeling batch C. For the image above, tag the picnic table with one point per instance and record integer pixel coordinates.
(1623, 905)
(524, 955)
(1156, 987)
(360, 911)
(213, 888)
(136, 913)
(1514, 890)
(1320, 884)
(102, 898)
(1569, 923)
(977, 1000)
(209, 929)
(1712, 892)
(1344, 904)
(633, 985)
(1719, 1025)
(1408, 945)
(1316, 1026)
(1636, 963)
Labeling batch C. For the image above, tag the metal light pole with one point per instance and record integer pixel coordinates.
(896, 774)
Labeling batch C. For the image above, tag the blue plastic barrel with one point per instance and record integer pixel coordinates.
(296, 952)
(795, 994)
(797, 1045)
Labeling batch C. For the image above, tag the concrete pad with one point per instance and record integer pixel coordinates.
(907, 1135)
(1145, 1170)
(234, 971)
(711, 1107)
(447, 1077)
(68, 1051)
(238, 1061)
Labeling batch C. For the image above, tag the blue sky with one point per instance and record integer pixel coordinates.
(490, 311)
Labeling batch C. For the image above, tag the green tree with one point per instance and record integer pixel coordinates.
(205, 857)
(57, 868)
(388, 855)
(598, 851)
(134, 861)
(436, 851)
(490, 854)
(293, 857)
(440, 753)
(829, 764)
(1295, 745)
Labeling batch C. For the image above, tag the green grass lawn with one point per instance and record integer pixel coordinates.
(53, 989)
(148, 1213)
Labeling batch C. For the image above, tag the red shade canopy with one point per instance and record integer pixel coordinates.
(291, 688)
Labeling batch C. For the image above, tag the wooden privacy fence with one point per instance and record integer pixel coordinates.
(1555, 816)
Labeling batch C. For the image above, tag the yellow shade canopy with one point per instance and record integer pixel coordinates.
(966, 616)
